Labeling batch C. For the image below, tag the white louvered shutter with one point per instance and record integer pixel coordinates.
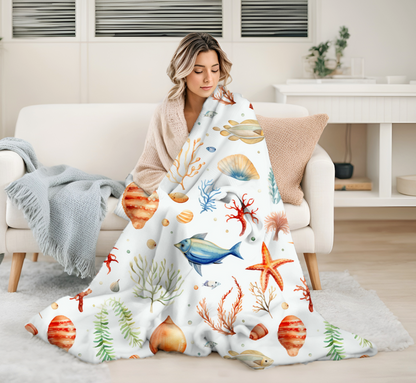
(139, 18)
(34, 18)
(274, 18)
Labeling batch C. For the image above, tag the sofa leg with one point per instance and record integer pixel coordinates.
(312, 264)
(16, 269)
(35, 257)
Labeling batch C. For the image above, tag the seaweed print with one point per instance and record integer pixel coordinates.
(102, 330)
(334, 340)
(274, 190)
(208, 201)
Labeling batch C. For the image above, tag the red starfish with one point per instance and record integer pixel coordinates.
(268, 267)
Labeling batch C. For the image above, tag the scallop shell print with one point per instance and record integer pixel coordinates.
(239, 167)
(248, 131)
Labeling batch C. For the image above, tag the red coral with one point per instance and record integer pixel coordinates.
(79, 297)
(240, 213)
(224, 321)
(306, 293)
(229, 97)
(110, 259)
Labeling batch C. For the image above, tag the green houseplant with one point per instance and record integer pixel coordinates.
(323, 66)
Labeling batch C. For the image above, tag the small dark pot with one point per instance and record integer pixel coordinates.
(343, 170)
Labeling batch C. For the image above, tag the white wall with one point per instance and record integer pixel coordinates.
(382, 31)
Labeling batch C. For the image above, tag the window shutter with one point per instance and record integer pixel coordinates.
(278, 18)
(54, 18)
(138, 18)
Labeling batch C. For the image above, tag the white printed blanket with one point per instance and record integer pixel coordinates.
(206, 263)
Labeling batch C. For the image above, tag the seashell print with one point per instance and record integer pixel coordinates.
(211, 149)
(54, 305)
(151, 244)
(61, 332)
(138, 206)
(31, 328)
(165, 222)
(178, 197)
(135, 357)
(115, 287)
(291, 334)
(167, 337)
(239, 167)
(185, 217)
(258, 332)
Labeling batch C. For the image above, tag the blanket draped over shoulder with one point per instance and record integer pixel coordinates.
(206, 263)
(64, 207)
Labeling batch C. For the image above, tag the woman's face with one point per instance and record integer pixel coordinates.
(206, 73)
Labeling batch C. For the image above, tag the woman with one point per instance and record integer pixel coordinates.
(198, 62)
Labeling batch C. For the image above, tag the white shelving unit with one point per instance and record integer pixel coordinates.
(379, 106)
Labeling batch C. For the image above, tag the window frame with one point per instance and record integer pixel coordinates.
(85, 27)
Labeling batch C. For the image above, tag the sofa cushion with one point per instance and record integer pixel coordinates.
(16, 219)
(298, 216)
(291, 142)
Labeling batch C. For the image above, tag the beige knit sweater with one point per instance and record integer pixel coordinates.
(166, 135)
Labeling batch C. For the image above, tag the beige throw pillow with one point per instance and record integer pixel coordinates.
(291, 142)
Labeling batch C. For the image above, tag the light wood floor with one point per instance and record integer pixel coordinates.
(382, 254)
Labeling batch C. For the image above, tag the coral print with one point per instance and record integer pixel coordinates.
(205, 263)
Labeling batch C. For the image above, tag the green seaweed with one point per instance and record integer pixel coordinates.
(103, 340)
(334, 340)
(126, 324)
(273, 189)
(152, 278)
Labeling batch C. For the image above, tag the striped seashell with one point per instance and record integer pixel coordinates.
(31, 328)
(258, 332)
(135, 357)
(291, 334)
(138, 206)
(239, 167)
(61, 332)
(185, 216)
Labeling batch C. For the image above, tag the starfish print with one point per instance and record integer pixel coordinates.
(267, 268)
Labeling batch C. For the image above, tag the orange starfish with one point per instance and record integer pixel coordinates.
(268, 267)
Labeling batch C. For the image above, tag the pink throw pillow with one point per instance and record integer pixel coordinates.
(291, 142)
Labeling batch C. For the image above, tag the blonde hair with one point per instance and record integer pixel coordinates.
(183, 61)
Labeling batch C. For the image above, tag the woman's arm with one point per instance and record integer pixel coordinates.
(149, 170)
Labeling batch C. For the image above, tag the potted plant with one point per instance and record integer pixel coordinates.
(340, 45)
(323, 66)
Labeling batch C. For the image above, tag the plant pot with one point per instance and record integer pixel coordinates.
(343, 170)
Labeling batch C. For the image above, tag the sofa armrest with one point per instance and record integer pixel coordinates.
(12, 167)
(318, 185)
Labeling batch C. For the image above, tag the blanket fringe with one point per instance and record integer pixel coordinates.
(26, 201)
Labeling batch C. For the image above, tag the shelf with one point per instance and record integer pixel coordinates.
(380, 107)
(353, 198)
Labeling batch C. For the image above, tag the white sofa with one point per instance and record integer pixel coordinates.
(108, 139)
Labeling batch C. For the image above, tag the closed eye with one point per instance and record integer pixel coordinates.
(214, 71)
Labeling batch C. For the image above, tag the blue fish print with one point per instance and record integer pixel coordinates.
(199, 252)
(211, 149)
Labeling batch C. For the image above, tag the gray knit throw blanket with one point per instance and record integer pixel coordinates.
(63, 206)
